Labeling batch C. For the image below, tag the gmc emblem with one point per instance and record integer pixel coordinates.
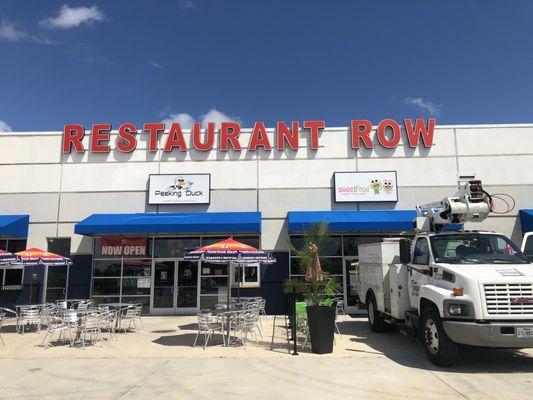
(522, 300)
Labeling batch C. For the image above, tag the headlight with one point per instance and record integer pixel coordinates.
(456, 309)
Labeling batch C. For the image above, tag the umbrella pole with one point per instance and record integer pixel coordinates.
(31, 284)
(239, 285)
(229, 284)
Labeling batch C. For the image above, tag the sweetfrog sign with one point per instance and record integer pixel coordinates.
(179, 189)
(365, 186)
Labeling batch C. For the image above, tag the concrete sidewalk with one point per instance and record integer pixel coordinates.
(159, 362)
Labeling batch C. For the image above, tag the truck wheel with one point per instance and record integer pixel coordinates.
(375, 319)
(440, 349)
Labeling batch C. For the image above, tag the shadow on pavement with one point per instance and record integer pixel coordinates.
(409, 351)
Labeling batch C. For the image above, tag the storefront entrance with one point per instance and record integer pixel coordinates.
(175, 287)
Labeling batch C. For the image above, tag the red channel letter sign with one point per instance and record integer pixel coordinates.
(123, 246)
(286, 136)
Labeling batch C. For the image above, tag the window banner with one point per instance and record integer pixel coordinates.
(123, 246)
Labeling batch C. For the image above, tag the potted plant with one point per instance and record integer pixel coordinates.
(316, 288)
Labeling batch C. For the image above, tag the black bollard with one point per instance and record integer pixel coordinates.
(293, 325)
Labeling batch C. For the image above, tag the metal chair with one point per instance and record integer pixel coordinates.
(56, 323)
(131, 314)
(90, 327)
(246, 324)
(29, 316)
(207, 325)
(5, 314)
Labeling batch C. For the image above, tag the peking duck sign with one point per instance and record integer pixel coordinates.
(111, 246)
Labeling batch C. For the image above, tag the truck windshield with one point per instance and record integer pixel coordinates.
(475, 248)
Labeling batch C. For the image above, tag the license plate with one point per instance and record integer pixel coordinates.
(524, 332)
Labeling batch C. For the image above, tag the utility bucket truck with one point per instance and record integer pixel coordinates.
(450, 287)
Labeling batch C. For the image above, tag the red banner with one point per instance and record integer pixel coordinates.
(123, 246)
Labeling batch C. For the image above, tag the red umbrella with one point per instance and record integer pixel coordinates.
(7, 258)
(37, 257)
(230, 251)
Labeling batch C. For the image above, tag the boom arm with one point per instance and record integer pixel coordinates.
(470, 204)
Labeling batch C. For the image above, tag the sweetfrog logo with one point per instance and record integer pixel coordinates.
(376, 186)
(388, 186)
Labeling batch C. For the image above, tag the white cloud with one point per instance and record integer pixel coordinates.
(4, 127)
(186, 4)
(155, 65)
(186, 120)
(426, 105)
(217, 117)
(10, 32)
(70, 17)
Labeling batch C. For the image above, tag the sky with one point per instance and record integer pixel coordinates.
(460, 61)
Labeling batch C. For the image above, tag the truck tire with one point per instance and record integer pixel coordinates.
(375, 318)
(440, 349)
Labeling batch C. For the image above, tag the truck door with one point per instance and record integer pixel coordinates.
(418, 270)
(527, 246)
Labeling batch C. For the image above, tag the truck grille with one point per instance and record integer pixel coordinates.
(509, 298)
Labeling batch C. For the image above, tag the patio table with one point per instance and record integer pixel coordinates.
(79, 314)
(228, 316)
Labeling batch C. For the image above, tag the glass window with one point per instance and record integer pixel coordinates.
(3, 244)
(214, 285)
(137, 267)
(2, 276)
(207, 240)
(246, 274)
(17, 245)
(331, 247)
(57, 276)
(332, 266)
(144, 301)
(59, 246)
(528, 248)
(249, 240)
(174, 248)
(214, 269)
(421, 255)
(105, 299)
(132, 286)
(13, 276)
(296, 268)
(107, 268)
(106, 286)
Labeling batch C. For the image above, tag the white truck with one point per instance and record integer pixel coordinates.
(451, 288)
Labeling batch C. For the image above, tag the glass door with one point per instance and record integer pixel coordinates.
(350, 287)
(164, 285)
(56, 283)
(187, 287)
(175, 288)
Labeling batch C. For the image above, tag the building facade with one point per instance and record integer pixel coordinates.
(77, 202)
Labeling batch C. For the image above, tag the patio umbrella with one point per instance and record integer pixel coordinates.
(230, 251)
(37, 257)
(7, 258)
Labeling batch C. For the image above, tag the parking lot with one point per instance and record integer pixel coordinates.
(160, 362)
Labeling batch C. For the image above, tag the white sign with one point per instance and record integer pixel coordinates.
(179, 189)
(365, 186)
(143, 282)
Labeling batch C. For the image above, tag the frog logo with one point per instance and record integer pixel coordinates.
(376, 186)
(388, 186)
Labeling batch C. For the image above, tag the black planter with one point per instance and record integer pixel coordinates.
(321, 321)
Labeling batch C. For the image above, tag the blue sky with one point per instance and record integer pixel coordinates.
(467, 61)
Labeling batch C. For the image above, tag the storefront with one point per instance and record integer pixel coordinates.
(127, 204)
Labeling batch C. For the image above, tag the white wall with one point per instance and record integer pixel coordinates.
(58, 190)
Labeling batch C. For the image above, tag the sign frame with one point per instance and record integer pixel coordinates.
(336, 200)
(208, 202)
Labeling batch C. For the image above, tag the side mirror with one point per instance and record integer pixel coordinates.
(405, 251)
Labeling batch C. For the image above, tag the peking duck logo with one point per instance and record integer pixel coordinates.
(180, 184)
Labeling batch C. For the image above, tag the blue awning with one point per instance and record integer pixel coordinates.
(526, 220)
(353, 221)
(216, 222)
(14, 225)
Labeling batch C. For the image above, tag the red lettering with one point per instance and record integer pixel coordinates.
(284, 135)
(383, 139)
(259, 137)
(100, 133)
(175, 138)
(196, 137)
(153, 130)
(420, 130)
(126, 141)
(361, 129)
(72, 136)
(229, 133)
(313, 127)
